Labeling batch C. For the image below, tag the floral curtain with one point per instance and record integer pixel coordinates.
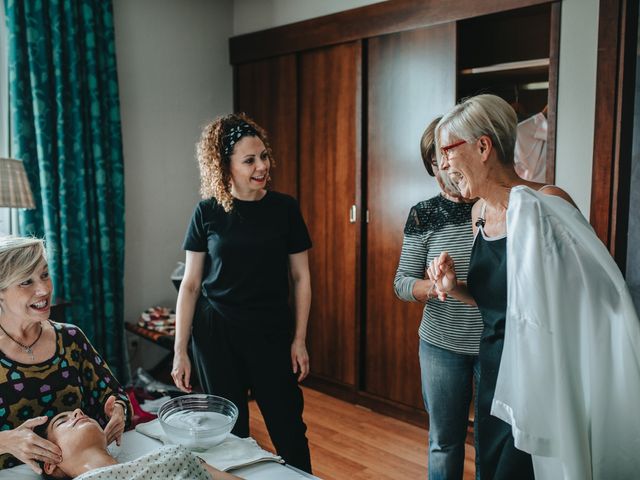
(65, 126)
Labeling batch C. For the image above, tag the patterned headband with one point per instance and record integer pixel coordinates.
(230, 138)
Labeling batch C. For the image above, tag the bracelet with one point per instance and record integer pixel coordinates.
(123, 404)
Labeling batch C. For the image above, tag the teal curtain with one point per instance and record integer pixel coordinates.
(65, 126)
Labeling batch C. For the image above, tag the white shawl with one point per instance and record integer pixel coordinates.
(569, 379)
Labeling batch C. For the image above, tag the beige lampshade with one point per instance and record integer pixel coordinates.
(15, 191)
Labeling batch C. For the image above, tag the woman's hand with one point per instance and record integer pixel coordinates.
(300, 359)
(29, 447)
(181, 372)
(116, 413)
(442, 272)
(423, 290)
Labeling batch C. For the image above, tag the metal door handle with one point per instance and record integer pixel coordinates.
(353, 214)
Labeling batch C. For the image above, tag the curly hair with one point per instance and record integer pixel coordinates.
(214, 165)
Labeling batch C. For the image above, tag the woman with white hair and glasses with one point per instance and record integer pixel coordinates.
(45, 367)
(449, 331)
(560, 349)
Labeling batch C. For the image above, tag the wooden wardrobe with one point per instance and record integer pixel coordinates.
(345, 99)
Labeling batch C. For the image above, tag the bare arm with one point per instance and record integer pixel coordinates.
(423, 290)
(219, 475)
(299, 268)
(187, 298)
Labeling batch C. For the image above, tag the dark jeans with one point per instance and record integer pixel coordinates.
(447, 389)
(230, 361)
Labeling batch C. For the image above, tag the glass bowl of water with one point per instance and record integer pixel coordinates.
(197, 421)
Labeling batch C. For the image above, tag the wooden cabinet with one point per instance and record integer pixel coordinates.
(411, 80)
(346, 99)
(266, 90)
(329, 165)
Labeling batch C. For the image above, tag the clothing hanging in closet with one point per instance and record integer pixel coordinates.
(531, 148)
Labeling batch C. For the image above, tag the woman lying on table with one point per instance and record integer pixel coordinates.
(85, 456)
(45, 367)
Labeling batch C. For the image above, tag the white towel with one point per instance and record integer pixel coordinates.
(152, 406)
(232, 453)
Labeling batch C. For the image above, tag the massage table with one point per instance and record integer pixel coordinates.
(135, 444)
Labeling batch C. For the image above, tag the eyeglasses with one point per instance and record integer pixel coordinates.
(444, 151)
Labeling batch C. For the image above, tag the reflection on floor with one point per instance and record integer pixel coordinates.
(351, 442)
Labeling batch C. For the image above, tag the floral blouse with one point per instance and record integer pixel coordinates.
(75, 377)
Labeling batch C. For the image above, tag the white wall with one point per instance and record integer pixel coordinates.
(577, 75)
(254, 15)
(174, 76)
(576, 99)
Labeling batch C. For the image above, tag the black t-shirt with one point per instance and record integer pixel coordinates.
(246, 274)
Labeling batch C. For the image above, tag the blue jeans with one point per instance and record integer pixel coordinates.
(447, 388)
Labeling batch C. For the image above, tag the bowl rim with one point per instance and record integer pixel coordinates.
(198, 396)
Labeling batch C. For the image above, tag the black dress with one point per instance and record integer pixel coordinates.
(499, 459)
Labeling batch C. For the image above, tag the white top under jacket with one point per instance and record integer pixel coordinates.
(569, 379)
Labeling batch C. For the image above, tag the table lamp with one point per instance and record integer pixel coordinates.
(15, 191)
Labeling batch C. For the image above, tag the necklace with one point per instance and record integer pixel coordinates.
(28, 349)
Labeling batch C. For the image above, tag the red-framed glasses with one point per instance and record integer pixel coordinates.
(444, 151)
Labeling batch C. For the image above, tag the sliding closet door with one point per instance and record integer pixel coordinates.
(329, 111)
(411, 80)
(266, 91)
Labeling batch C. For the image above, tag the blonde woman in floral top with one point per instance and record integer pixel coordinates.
(45, 367)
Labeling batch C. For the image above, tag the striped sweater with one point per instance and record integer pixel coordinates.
(434, 226)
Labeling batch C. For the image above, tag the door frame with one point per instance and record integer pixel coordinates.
(613, 130)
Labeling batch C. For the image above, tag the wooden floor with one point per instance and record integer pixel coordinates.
(348, 441)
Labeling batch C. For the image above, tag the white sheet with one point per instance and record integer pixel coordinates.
(232, 453)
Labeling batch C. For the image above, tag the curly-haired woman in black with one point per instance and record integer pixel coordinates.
(242, 245)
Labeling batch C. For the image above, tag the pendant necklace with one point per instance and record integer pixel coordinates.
(28, 349)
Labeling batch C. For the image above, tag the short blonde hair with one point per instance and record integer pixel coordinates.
(482, 115)
(19, 258)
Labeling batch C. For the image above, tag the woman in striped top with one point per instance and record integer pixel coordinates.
(450, 331)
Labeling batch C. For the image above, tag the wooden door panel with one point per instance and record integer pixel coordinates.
(329, 163)
(411, 80)
(266, 90)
